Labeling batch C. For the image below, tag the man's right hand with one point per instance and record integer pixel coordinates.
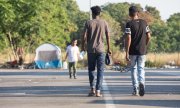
(83, 49)
(109, 52)
(127, 57)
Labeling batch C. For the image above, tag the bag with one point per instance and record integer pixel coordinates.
(81, 55)
(65, 65)
(108, 59)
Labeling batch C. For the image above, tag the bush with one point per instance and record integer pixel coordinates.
(150, 64)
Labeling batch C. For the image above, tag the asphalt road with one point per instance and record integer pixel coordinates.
(54, 89)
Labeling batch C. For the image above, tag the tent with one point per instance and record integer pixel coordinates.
(48, 56)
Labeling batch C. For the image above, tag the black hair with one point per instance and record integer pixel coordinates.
(133, 10)
(96, 10)
(73, 39)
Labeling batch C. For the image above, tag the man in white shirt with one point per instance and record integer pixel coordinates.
(72, 53)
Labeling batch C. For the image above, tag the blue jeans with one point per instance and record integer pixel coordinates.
(137, 70)
(93, 60)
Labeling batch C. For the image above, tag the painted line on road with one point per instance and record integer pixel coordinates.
(107, 96)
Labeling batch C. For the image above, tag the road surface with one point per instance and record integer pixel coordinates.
(53, 89)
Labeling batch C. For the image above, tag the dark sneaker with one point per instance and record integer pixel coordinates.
(70, 76)
(92, 92)
(135, 92)
(141, 89)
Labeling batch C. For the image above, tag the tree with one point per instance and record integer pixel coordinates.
(173, 24)
(54, 25)
(24, 22)
(147, 17)
(118, 11)
(115, 29)
(81, 18)
(153, 11)
(29, 23)
(14, 22)
(160, 34)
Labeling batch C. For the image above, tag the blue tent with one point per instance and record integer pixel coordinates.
(48, 56)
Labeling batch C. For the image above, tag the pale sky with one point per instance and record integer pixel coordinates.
(166, 7)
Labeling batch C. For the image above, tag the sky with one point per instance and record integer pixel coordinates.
(166, 7)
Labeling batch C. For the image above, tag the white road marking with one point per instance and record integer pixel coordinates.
(107, 96)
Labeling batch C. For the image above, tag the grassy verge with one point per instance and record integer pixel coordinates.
(152, 59)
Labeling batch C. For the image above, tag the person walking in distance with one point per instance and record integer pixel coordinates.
(72, 53)
(94, 32)
(137, 38)
(20, 53)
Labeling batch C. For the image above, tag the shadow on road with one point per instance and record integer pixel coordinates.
(61, 91)
(155, 103)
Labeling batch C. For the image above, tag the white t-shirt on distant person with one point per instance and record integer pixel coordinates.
(73, 53)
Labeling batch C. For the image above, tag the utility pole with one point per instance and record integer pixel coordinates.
(90, 10)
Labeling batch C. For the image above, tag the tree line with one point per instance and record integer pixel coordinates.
(29, 23)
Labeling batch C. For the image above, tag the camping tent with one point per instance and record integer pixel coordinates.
(48, 56)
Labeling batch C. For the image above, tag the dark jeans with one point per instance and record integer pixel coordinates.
(72, 64)
(93, 60)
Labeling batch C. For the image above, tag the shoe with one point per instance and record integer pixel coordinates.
(135, 92)
(92, 92)
(75, 77)
(70, 76)
(141, 89)
(98, 93)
